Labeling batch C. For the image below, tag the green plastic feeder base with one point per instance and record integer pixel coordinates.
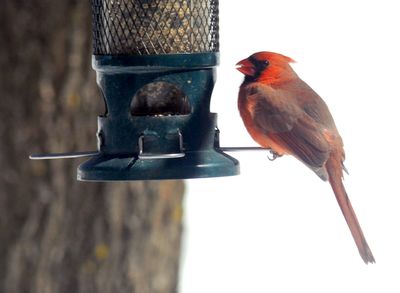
(192, 165)
(201, 164)
(140, 143)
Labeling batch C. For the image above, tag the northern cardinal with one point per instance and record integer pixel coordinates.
(282, 113)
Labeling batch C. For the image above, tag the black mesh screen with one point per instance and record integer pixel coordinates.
(147, 27)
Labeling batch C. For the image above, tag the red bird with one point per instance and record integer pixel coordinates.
(282, 113)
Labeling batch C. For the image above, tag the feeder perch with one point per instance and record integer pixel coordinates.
(156, 68)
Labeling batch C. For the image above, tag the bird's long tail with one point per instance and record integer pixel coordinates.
(334, 168)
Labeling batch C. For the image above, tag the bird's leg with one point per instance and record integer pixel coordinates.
(274, 154)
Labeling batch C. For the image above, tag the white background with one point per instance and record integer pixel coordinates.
(277, 226)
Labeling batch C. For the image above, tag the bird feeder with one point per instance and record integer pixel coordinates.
(156, 68)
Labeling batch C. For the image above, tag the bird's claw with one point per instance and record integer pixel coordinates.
(275, 155)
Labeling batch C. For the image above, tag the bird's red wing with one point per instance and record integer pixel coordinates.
(288, 125)
(304, 143)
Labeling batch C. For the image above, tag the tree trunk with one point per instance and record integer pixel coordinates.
(58, 234)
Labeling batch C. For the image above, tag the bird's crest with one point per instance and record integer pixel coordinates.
(273, 57)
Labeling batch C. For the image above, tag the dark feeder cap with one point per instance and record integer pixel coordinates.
(155, 65)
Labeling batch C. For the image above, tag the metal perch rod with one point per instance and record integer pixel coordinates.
(75, 155)
(63, 155)
(239, 149)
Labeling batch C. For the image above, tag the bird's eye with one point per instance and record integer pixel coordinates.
(266, 62)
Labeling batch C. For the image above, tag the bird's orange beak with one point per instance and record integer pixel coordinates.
(246, 67)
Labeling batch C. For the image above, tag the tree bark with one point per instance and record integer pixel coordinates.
(58, 234)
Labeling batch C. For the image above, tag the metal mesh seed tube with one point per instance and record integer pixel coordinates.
(151, 27)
